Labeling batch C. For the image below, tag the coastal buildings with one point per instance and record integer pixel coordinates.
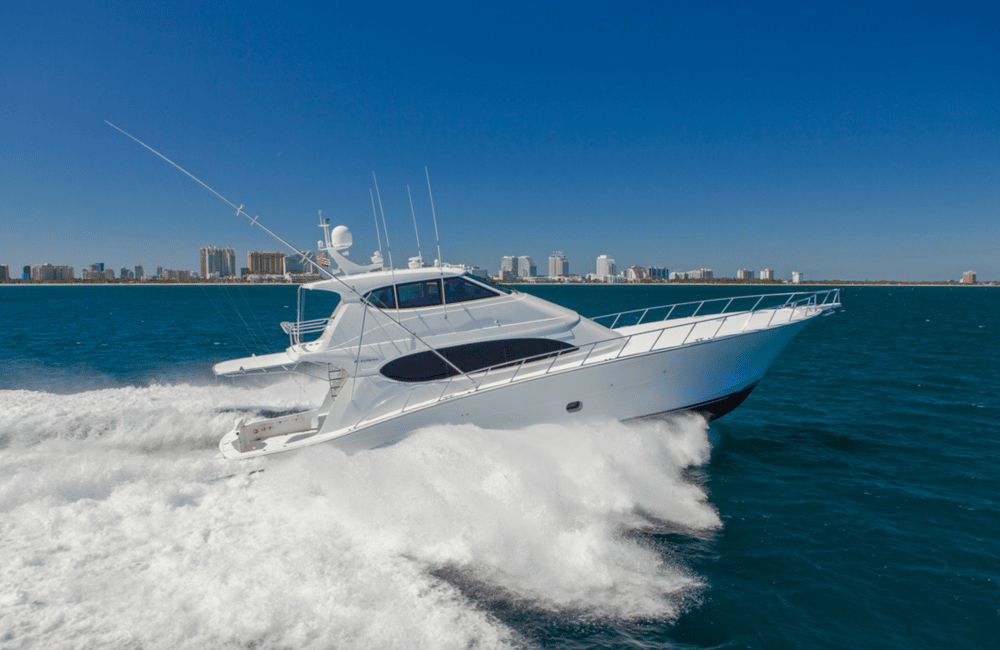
(513, 268)
(218, 262)
(175, 275)
(96, 271)
(636, 274)
(695, 274)
(558, 265)
(658, 273)
(526, 267)
(508, 268)
(969, 277)
(744, 274)
(265, 263)
(796, 277)
(138, 272)
(51, 273)
(606, 267)
(304, 263)
(4, 273)
(767, 274)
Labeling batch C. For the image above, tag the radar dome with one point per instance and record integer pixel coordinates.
(341, 238)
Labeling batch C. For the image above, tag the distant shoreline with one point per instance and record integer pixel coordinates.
(833, 284)
(824, 283)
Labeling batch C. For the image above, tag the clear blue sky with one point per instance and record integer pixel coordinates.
(844, 140)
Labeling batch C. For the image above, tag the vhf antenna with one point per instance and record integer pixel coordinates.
(375, 214)
(433, 214)
(419, 254)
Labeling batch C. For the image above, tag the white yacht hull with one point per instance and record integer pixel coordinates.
(711, 376)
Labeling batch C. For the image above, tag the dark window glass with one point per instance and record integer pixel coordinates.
(383, 298)
(427, 366)
(490, 284)
(419, 294)
(461, 290)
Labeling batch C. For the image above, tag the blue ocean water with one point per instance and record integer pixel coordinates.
(852, 501)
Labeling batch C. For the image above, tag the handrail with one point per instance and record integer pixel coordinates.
(829, 294)
(297, 329)
(810, 301)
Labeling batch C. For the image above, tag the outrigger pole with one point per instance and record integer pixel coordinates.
(239, 210)
(254, 222)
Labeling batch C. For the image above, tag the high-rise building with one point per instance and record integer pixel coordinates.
(969, 277)
(305, 262)
(94, 271)
(767, 274)
(4, 273)
(636, 274)
(176, 275)
(796, 277)
(606, 267)
(658, 273)
(508, 268)
(26, 272)
(139, 273)
(124, 273)
(558, 265)
(266, 263)
(51, 273)
(218, 262)
(526, 267)
(744, 274)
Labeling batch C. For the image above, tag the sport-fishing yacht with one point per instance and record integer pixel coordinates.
(407, 348)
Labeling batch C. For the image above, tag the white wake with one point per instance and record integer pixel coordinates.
(114, 533)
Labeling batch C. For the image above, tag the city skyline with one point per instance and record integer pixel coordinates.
(218, 262)
(831, 139)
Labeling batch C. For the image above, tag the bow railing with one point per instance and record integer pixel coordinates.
(691, 309)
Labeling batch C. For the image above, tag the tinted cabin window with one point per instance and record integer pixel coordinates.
(383, 298)
(419, 294)
(461, 290)
(495, 286)
(427, 366)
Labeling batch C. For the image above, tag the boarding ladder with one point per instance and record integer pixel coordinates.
(308, 423)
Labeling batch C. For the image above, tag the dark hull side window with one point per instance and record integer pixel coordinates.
(427, 366)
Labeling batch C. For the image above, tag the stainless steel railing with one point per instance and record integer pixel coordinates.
(297, 329)
(769, 300)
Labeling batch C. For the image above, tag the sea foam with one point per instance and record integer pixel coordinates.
(117, 530)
